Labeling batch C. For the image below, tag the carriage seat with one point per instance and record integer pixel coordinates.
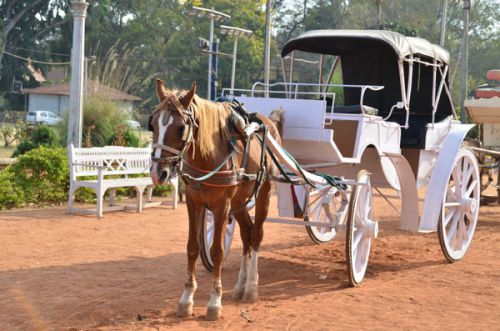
(414, 136)
(356, 109)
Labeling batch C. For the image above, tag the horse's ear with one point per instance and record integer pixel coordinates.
(161, 91)
(186, 100)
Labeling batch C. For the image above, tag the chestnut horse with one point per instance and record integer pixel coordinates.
(193, 137)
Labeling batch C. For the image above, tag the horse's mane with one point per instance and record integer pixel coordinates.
(213, 131)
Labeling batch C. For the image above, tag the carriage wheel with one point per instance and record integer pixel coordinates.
(326, 207)
(460, 208)
(207, 237)
(360, 229)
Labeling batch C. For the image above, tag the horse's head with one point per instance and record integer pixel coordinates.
(172, 125)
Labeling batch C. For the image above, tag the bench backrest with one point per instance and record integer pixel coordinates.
(117, 160)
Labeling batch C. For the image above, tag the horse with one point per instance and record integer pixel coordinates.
(196, 137)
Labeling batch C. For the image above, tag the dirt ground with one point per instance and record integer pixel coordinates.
(126, 271)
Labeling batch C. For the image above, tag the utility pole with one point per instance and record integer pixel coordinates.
(77, 74)
(214, 16)
(444, 8)
(267, 49)
(465, 60)
(235, 33)
(379, 14)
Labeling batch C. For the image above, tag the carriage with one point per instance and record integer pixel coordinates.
(390, 123)
(484, 110)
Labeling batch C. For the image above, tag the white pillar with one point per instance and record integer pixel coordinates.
(77, 79)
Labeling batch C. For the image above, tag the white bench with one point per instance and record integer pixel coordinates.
(111, 167)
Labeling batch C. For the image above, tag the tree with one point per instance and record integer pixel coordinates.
(27, 23)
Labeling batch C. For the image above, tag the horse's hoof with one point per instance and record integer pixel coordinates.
(250, 296)
(184, 310)
(213, 313)
(238, 294)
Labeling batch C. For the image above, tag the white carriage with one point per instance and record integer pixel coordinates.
(396, 129)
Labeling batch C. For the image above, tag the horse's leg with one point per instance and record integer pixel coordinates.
(186, 301)
(245, 223)
(214, 307)
(261, 210)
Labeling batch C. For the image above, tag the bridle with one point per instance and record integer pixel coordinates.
(187, 136)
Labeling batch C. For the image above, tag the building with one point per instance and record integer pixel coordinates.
(55, 97)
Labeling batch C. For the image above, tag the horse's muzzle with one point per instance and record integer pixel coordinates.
(159, 174)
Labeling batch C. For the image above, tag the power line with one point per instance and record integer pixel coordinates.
(122, 58)
(37, 51)
(35, 61)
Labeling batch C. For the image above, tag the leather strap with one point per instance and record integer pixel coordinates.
(167, 148)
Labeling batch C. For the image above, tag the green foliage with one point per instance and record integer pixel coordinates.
(131, 139)
(11, 195)
(162, 190)
(28, 28)
(40, 136)
(39, 176)
(105, 115)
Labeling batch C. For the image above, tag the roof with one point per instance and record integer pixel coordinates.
(94, 89)
(493, 74)
(338, 42)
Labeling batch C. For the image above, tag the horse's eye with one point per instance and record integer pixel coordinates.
(150, 124)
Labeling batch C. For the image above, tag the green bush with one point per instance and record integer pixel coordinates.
(131, 139)
(162, 190)
(11, 195)
(40, 136)
(42, 174)
(104, 115)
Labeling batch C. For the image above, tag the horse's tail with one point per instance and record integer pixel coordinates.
(277, 116)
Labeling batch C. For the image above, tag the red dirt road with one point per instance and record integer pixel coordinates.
(125, 272)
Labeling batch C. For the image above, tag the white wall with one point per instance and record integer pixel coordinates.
(54, 103)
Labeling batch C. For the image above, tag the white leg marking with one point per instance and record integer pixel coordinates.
(242, 279)
(214, 308)
(216, 294)
(251, 287)
(186, 301)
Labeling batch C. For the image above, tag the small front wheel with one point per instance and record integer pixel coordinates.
(360, 229)
(460, 207)
(207, 237)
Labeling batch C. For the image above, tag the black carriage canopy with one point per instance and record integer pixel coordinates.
(370, 57)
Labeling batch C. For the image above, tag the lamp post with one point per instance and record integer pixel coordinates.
(235, 33)
(465, 60)
(267, 48)
(442, 33)
(77, 74)
(214, 16)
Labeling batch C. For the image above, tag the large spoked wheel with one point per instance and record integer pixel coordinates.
(360, 229)
(460, 208)
(207, 238)
(326, 206)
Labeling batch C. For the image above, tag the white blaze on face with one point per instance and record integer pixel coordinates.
(162, 129)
